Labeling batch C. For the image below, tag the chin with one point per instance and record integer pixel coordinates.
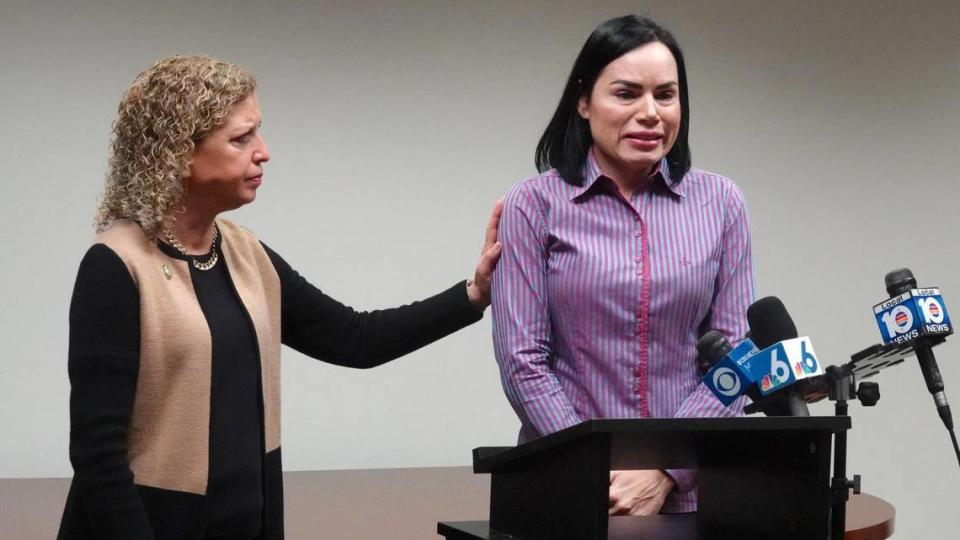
(635, 157)
(240, 201)
(641, 163)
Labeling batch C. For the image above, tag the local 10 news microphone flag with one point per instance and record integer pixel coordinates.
(912, 314)
(918, 317)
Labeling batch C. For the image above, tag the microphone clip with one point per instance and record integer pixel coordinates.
(842, 387)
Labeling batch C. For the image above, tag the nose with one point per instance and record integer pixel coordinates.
(647, 110)
(262, 153)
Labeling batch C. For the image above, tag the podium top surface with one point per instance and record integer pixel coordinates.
(661, 441)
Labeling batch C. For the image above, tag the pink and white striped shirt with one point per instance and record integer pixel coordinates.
(598, 302)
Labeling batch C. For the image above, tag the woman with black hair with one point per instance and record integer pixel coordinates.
(618, 257)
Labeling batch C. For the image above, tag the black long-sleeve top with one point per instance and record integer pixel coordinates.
(243, 496)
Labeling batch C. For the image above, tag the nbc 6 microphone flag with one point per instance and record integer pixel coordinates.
(784, 363)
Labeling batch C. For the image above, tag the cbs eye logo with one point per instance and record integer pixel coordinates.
(726, 381)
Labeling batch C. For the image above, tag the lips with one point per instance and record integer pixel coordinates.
(644, 136)
(644, 140)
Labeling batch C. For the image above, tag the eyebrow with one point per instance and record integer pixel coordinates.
(247, 127)
(632, 84)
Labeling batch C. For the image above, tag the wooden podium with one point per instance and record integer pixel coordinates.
(758, 478)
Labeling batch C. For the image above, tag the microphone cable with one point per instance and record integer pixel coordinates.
(956, 449)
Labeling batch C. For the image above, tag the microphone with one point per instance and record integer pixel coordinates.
(769, 322)
(728, 372)
(786, 369)
(916, 317)
(711, 347)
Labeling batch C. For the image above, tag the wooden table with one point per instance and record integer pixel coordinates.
(868, 518)
(403, 504)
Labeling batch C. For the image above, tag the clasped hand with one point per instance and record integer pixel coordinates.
(638, 492)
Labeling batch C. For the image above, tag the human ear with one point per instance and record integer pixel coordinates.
(583, 107)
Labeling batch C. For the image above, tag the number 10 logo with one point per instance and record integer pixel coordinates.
(899, 320)
(915, 313)
(932, 310)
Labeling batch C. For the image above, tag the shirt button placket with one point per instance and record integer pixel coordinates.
(639, 386)
(638, 259)
(637, 233)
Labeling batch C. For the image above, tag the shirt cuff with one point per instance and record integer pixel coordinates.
(685, 479)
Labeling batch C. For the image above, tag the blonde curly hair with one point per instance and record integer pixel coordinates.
(169, 108)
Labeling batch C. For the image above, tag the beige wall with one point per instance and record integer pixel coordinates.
(394, 125)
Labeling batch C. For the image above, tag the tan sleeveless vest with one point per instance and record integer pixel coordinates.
(168, 440)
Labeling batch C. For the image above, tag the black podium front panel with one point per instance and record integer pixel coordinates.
(757, 477)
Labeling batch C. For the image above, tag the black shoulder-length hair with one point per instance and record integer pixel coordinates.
(566, 141)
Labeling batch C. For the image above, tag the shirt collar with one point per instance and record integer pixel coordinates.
(673, 185)
(592, 173)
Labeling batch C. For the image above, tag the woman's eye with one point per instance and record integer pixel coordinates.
(665, 96)
(243, 139)
(624, 94)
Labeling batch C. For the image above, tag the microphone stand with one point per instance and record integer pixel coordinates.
(871, 360)
(841, 389)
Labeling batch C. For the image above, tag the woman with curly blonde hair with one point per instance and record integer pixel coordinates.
(178, 315)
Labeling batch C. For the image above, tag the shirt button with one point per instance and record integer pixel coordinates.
(639, 259)
(637, 234)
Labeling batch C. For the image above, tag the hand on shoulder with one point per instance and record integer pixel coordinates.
(478, 289)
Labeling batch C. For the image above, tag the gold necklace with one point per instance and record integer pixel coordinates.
(202, 266)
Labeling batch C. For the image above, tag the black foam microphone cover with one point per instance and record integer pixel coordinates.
(711, 347)
(770, 322)
(899, 281)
